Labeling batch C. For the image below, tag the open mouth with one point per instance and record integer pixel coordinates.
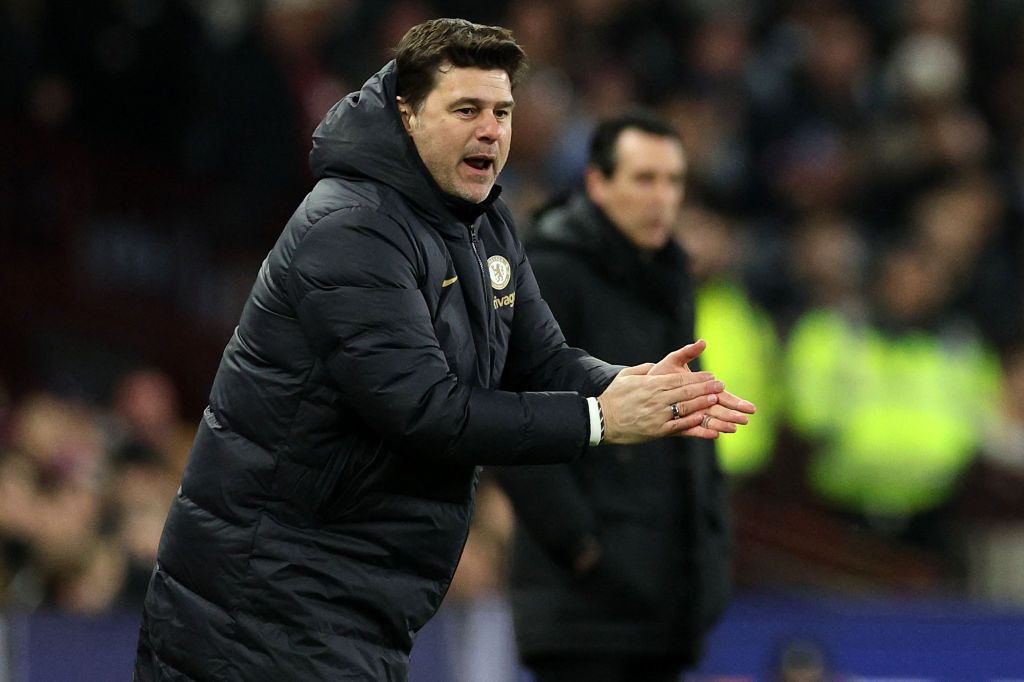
(480, 162)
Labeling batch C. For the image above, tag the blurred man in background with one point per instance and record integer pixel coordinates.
(394, 340)
(622, 563)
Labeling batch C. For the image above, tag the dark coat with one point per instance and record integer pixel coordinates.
(658, 510)
(329, 491)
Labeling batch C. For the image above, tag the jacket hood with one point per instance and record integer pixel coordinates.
(362, 136)
(573, 223)
(578, 225)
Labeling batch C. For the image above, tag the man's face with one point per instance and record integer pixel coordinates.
(643, 196)
(463, 129)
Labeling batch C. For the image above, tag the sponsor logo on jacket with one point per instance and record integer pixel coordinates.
(506, 300)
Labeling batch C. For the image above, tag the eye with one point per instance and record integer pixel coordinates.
(502, 113)
(465, 111)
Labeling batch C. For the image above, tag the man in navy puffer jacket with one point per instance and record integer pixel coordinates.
(395, 339)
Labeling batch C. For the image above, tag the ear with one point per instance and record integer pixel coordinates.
(596, 184)
(408, 115)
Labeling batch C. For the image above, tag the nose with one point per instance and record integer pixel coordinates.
(490, 128)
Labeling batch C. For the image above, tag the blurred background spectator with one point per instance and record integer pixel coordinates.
(856, 195)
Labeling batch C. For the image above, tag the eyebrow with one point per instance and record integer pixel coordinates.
(479, 103)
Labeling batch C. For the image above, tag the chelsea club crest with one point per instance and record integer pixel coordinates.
(501, 272)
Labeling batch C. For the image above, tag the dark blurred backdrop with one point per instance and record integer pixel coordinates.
(855, 201)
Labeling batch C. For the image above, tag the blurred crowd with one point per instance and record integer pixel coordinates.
(855, 196)
(83, 495)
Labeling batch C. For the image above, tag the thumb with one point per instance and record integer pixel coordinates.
(638, 369)
(689, 352)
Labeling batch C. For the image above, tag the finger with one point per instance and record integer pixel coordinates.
(695, 377)
(676, 380)
(694, 430)
(699, 431)
(707, 392)
(689, 352)
(724, 414)
(697, 404)
(677, 360)
(720, 425)
(668, 382)
(675, 427)
(734, 402)
(709, 427)
(638, 369)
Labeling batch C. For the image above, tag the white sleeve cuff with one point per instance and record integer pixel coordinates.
(595, 421)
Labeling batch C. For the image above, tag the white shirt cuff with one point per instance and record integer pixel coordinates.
(595, 421)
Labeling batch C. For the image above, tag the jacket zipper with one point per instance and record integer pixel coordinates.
(480, 262)
(488, 296)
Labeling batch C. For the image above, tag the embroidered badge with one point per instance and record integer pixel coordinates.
(501, 272)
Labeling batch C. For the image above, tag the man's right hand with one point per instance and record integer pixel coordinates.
(637, 406)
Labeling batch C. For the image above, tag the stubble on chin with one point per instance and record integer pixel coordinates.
(474, 192)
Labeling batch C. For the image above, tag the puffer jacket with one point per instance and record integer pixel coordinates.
(394, 340)
(659, 510)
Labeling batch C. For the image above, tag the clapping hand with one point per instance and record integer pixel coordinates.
(721, 417)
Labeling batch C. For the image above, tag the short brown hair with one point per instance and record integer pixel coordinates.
(427, 46)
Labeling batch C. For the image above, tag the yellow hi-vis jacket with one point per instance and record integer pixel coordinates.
(743, 351)
(897, 417)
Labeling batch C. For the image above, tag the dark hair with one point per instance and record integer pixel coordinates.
(602, 144)
(427, 46)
